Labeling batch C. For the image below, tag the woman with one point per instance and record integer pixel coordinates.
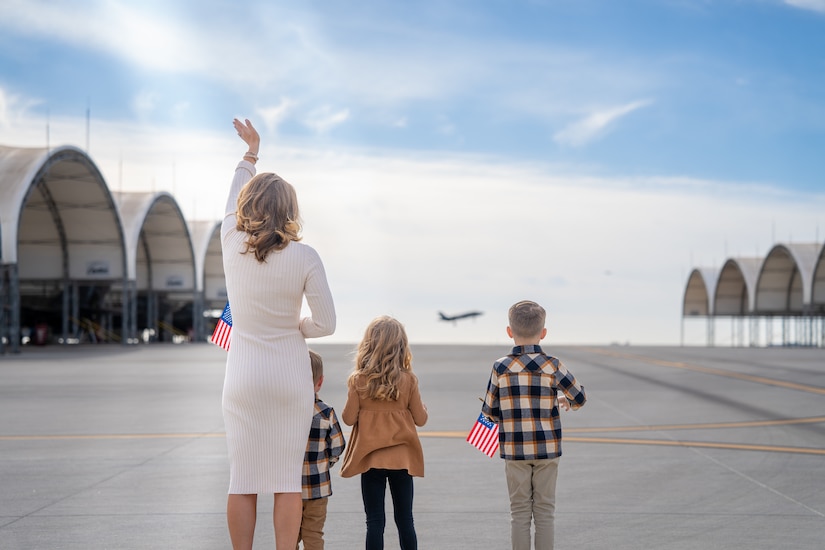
(268, 391)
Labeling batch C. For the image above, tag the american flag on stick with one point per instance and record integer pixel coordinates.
(484, 436)
(223, 330)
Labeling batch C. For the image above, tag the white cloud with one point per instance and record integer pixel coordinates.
(14, 108)
(313, 56)
(274, 115)
(146, 39)
(4, 109)
(145, 102)
(323, 119)
(180, 108)
(815, 5)
(595, 125)
(446, 128)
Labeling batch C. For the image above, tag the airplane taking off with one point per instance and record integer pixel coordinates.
(455, 318)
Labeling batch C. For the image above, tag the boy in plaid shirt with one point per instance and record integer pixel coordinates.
(522, 398)
(325, 445)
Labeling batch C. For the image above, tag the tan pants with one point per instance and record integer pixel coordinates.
(532, 487)
(312, 524)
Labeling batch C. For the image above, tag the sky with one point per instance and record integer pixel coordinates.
(457, 155)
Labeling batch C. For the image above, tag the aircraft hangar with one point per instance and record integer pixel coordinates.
(79, 263)
(775, 300)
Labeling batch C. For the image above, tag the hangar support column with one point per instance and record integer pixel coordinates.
(3, 302)
(9, 309)
(754, 331)
(711, 328)
(821, 331)
(65, 314)
(129, 313)
(198, 330)
(808, 324)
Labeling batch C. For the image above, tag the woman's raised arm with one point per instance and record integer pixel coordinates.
(243, 172)
(250, 136)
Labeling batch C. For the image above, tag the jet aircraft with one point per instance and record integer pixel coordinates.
(455, 318)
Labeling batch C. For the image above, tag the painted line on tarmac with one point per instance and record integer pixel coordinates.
(707, 426)
(662, 442)
(663, 427)
(108, 436)
(602, 429)
(453, 435)
(717, 372)
(702, 444)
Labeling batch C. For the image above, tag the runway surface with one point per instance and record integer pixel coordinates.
(677, 448)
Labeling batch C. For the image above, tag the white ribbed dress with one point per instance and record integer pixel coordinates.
(268, 395)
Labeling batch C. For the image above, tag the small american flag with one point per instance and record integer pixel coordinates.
(223, 330)
(484, 436)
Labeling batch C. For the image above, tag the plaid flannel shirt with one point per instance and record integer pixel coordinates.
(325, 445)
(521, 399)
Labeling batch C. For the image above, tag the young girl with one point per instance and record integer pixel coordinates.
(384, 407)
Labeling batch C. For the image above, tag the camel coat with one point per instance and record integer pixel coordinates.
(383, 432)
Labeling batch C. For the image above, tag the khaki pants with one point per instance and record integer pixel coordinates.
(312, 524)
(532, 487)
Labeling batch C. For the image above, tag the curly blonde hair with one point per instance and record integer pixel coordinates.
(382, 357)
(268, 213)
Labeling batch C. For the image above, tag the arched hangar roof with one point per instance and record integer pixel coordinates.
(818, 296)
(211, 278)
(699, 292)
(736, 286)
(159, 245)
(785, 283)
(58, 219)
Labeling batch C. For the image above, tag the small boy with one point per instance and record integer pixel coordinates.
(522, 399)
(325, 445)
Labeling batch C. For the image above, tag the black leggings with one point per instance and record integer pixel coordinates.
(373, 489)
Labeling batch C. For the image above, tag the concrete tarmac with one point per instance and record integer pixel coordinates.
(114, 447)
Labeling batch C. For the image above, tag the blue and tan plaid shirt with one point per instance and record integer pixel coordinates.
(325, 445)
(521, 399)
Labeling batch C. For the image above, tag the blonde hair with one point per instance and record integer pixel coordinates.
(317, 365)
(268, 213)
(382, 357)
(526, 319)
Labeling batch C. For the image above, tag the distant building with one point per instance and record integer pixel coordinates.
(79, 263)
(776, 300)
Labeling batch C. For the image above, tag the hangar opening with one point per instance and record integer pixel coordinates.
(207, 235)
(784, 294)
(734, 298)
(162, 290)
(697, 301)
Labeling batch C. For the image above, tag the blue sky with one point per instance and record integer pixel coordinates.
(621, 143)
